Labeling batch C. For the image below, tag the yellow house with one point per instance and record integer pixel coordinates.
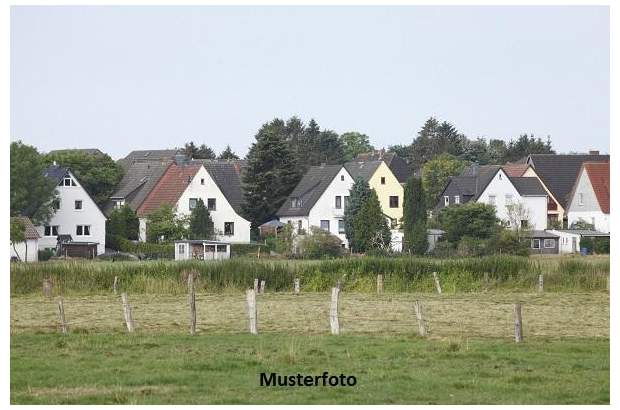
(386, 185)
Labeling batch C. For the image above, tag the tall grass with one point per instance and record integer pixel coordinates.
(405, 274)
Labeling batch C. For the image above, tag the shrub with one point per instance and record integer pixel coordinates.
(469, 246)
(46, 254)
(147, 250)
(319, 244)
(472, 219)
(508, 242)
(601, 245)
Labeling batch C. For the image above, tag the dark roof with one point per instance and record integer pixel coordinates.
(55, 172)
(91, 151)
(559, 171)
(227, 176)
(30, 231)
(528, 186)
(309, 189)
(362, 169)
(138, 181)
(485, 175)
(397, 165)
(539, 234)
(148, 155)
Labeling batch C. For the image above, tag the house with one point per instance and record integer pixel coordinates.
(156, 155)
(519, 201)
(395, 163)
(216, 182)
(76, 213)
(558, 173)
(319, 199)
(201, 249)
(543, 242)
(388, 188)
(28, 250)
(589, 199)
(570, 239)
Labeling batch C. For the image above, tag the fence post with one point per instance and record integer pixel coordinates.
(262, 287)
(115, 286)
(338, 284)
(437, 285)
(127, 312)
(380, 283)
(47, 288)
(419, 313)
(541, 285)
(250, 295)
(333, 312)
(486, 277)
(61, 314)
(518, 323)
(192, 303)
(296, 286)
(255, 285)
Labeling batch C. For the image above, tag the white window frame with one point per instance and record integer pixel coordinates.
(51, 228)
(83, 230)
(397, 201)
(338, 202)
(580, 197)
(535, 240)
(492, 200)
(446, 200)
(321, 224)
(457, 199)
(75, 208)
(182, 248)
(232, 231)
(552, 243)
(190, 203)
(214, 204)
(341, 224)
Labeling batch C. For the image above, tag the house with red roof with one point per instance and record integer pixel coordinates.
(589, 199)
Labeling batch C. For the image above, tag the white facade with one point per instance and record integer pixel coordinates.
(325, 211)
(229, 226)
(27, 251)
(202, 250)
(584, 206)
(501, 192)
(78, 216)
(567, 242)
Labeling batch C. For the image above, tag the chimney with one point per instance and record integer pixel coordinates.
(594, 152)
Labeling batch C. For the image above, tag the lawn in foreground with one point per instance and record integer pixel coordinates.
(156, 368)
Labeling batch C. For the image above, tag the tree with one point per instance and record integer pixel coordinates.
(200, 222)
(18, 235)
(319, 244)
(163, 225)
(370, 227)
(228, 153)
(32, 194)
(525, 145)
(436, 173)
(202, 152)
(98, 173)
(359, 192)
(415, 238)
(476, 220)
(516, 213)
(122, 223)
(271, 174)
(354, 143)
(582, 224)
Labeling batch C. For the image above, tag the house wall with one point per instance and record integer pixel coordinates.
(67, 218)
(565, 241)
(391, 188)
(142, 229)
(543, 250)
(590, 211)
(530, 172)
(223, 212)
(27, 251)
(500, 186)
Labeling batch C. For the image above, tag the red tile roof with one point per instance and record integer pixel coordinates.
(598, 172)
(169, 188)
(515, 170)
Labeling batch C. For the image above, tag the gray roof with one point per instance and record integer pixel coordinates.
(55, 172)
(583, 232)
(539, 234)
(147, 155)
(362, 169)
(528, 186)
(309, 189)
(227, 176)
(559, 171)
(397, 165)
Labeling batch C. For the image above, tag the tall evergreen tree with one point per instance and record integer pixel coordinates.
(359, 192)
(228, 153)
(414, 217)
(370, 227)
(200, 222)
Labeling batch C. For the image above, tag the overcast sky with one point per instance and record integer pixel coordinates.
(126, 78)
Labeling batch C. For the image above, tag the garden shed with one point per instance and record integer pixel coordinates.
(207, 250)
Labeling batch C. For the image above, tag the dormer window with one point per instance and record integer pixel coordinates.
(296, 203)
(446, 200)
(68, 181)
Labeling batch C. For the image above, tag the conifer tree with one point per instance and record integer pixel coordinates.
(200, 222)
(359, 192)
(414, 218)
(370, 227)
(228, 153)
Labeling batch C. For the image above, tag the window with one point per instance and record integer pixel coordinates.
(119, 203)
(340, 225)
(580, 198)
(393, 202)
(192, 203)
(221, 248)
(325, 224)
(82, 230)
(549, 243)
(211, 204)
(382, 180)
(50, 230)
(68, 181)
(535, 243)
(524, 223)
(182, 248)
(202, 181)
(296, 203)
(492, 200)
(446, 200)
(338, 202)
(457, 199)
(346, 202)
(78, 204)
(229, 228)
(508, 199)
(342, 177)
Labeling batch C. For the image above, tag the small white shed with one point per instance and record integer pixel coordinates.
(201, 249)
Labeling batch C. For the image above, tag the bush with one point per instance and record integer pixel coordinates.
(147, 250)
(443, 249)
(320, 244)
(601, 245)
(469, 246)
(46, 254)
(508, 242)
(247, 249)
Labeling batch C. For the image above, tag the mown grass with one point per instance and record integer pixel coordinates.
(403, 274)
(216, 369)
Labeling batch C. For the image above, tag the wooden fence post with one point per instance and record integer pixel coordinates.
(61, 314)
(541, 285)
(437, 285)
(338, 284)
(127, 312)
(419, 313)
(192, 303)
(255, 285)
(486, 277)
(333, 312)
(115, 286)
(262, 287)
(47, 288)
(296, 286)
(380, 283)
(252, 315)
(518, 323)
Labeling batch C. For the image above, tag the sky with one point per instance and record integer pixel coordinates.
(153, 77)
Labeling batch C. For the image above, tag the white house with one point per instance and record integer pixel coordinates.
(28, 250)
(319, 199)
(201, 250)
(76, 213)
(519, 201)
(589, 199)
(217, 183)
